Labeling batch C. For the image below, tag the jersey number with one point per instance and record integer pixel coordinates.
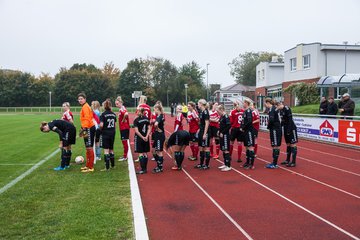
(144, 129)
(111, 123)
(239, 119)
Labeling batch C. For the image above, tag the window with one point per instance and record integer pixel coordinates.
(258, 75)
(306, 61)
(263, 74)
(293, 64)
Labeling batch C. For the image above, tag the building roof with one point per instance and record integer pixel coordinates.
(349, 47)
(237, 87)
(344, 80)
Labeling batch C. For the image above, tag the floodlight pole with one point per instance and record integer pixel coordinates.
(207, 81)
(50, 100)
(186, 87)
(345, 42)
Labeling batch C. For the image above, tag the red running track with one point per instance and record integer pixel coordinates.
(319, 199)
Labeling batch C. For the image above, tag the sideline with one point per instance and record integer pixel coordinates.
(22, 176)
(140, 228)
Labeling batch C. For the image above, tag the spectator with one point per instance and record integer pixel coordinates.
(346, 105)
(172, 108)
(332, 107)
(323, 106)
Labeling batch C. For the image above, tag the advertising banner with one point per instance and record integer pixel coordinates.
(349, 132)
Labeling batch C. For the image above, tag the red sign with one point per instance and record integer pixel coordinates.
(349, 132)
(326, 129)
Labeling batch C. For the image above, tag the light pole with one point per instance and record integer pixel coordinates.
(167, 97)
(345, 42)
(186, 87)
(50, 100)
(207, 81)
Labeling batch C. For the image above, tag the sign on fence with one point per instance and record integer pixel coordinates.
(349, 132)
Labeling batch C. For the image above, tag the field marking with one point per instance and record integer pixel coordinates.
(322, 164)
(296, 204)
(33, 168)
(330, 154)
(140, 228)
(17, 164)
(215, 203)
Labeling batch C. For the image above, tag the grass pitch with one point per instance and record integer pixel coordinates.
(58, 205)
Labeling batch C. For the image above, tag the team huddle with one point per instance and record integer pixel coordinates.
(209, 126)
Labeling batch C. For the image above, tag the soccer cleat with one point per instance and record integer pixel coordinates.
(67, 167)
(271, 166)
(205, 167)
(239, 160)
(105, 170)
(249, 166)
(59, 168)
(153, 159)
(176, 168)
(291, 164)
(84, 168)
(192, 158)
(98, 158)
(199, 166)
(122, 159)
(216, 156)
(136, 160)
(112, 167)
(285, 162)
(88, 170)
(221, 167)
(226, 169)
(141, 172)
(244, 165)
(157, 170)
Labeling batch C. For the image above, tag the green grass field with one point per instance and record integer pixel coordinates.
(314, 109)
(58, 205)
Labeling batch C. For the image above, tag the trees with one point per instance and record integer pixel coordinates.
(306, 93)
(243, 67)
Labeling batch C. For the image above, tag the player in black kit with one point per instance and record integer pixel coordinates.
(141, 140)
(290, 134)
(224, 137)
(249, 135)
(274, 127)
(177, 142)
(203, 135)
(159, 138)
(67, 135)
(107, 138)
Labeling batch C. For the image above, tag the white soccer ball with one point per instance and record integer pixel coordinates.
(79, 160)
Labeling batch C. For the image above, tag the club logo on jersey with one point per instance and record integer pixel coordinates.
(326, 129)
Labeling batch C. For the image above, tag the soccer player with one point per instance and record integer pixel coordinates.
(178, 119)
(67, 115)
(193, 120)
(249, 135)
(177, 142)
(142, 104)
(235, 134)
(141, 139)
(108, 130)
(274, 127)
(159, 138)
(95, 106)
(224, 135)
(124, 126)
(213, 130)
(290, 135)
(88, 126)
(67, 135)
(256, 124)
(203, 135)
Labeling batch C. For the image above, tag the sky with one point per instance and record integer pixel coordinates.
(44, 35)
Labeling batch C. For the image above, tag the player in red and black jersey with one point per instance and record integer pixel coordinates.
(67, 136)
(141, 139)
(213, 130)
(178, 124)
(203, 135)
(235, 119)
(193, 120)
(107, 138)
(224, 135)
(124, 126)
(159, 138)
(256, 124)
(249, 135)
(177, 142)
(67, 115)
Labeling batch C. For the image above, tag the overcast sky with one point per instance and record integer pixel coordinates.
(43, 35)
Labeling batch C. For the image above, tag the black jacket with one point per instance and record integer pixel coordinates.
(348, 106)
(323, 106)
(332, 109)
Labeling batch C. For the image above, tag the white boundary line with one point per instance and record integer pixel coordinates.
(216, 204)
(296, 204)
(17, 164)
(33, 168)
(140, 228)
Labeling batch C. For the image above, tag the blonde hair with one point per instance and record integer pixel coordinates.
(220, 107)
(66, 104)
(119, 99)
(142, 99)
(160, 107)
(95, 105)
(107, 104)
(203, 102)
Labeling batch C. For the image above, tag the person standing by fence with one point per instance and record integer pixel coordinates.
(332, 107)
(323, 106)
(346, 106)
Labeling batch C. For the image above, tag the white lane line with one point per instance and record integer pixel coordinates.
(296, 204)
(322, 164)
(33, 168)
(330, 154)
(17, 164)
(216, 204)
(141, 232)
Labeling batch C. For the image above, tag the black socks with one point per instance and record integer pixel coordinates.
(276, 153)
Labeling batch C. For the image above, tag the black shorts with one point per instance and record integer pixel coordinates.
(182, 138)
(107, 140)
(97, 135)
(69, 137)
(140, 145)
(89, 141)
(124, 134)
(275, 137)
(201, 141)
(193, 137)
(213, 132)
(290, 136)
(236, 134)
(158, 141)
(225, 142)
(249, 138)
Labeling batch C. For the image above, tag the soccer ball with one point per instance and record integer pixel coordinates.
(79, 160)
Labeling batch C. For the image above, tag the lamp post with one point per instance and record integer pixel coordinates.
(50, 100)
(167, 97)
(345, 42)
(186, 87)
(207, 81)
